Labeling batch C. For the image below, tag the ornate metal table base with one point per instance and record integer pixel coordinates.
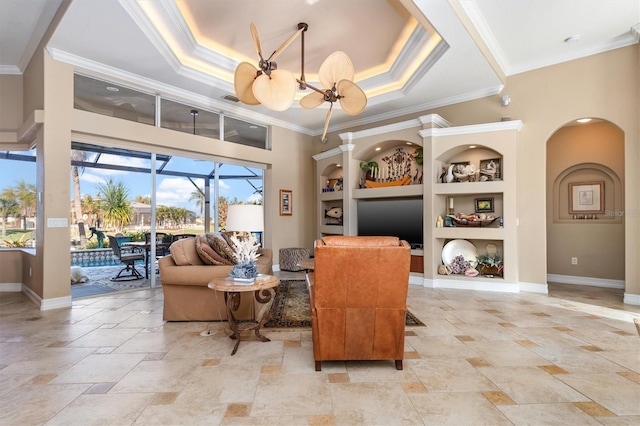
(265, 290)
(267, 297)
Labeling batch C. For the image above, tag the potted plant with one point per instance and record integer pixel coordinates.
(490, 264)
(367, 168)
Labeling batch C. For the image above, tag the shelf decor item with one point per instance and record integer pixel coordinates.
(484, 205)
(471, 220)
(286, 202)
(246, 251)
(490, 169)
(406, 180)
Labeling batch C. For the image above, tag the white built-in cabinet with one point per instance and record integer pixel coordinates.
(442, 145)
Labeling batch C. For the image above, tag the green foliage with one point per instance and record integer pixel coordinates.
(368, 166)
(418, 155)
(15, 241)
(135, 235)
(115, 204)
(93, 244)
(485, 259)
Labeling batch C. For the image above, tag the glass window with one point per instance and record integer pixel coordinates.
(106, 98)
(18, 198)
(189, 119)
(245, 133)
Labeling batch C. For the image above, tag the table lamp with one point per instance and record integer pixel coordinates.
(246, 217)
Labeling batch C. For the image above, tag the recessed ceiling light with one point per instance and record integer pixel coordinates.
(583, 120)
(409, 143)
(378, 149)
(338, 165)
(472, 146)
(572, 38)
(112, 89)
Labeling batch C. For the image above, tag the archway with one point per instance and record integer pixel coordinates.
(585, 205)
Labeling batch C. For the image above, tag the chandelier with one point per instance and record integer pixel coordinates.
(276, 88)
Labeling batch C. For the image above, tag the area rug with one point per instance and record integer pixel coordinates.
(293, 309)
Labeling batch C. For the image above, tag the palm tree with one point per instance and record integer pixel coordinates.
(91, 207)
(162, 215)
(115, 204)
(142, 199)
(26, 198)
(77, 155)
(198, 196)
(223, 208)
(8, 207)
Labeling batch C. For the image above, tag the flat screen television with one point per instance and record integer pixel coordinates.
(399, 217)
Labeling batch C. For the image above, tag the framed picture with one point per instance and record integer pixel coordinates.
(286, 198)
(484, 205)
(491, 169)
(586, 197)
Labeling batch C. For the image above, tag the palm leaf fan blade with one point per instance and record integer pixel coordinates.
(275, 91)
(312, 100)
(336, 67)
(352, 98)
(243, 79)
(326, 123)
(256, 39)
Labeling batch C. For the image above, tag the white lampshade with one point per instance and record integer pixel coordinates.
(245, 217)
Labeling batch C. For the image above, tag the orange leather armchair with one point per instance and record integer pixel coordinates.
(358, 296)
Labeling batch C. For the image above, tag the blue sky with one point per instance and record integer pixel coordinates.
(171, 190)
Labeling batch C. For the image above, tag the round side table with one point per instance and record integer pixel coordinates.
(265, 288)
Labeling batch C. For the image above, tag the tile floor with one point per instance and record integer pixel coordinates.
(571, 358)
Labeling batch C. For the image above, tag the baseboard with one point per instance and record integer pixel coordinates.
(10, 287)
(276, 267)
(47, 304)
(416, 279)
(631, 299)
(534, 287)
(477, 285)
(594, 282)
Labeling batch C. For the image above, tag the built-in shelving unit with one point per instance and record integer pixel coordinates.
(442, 145)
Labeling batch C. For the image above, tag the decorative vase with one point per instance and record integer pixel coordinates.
(449, 177)
(244, 270)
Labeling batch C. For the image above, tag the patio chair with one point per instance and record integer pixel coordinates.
(128, 256)
(181, 236)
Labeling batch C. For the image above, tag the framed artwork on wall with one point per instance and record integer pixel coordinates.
(286, 198)
(484, 205)
(586, 197)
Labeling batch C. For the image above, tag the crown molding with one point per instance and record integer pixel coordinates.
(473, 128)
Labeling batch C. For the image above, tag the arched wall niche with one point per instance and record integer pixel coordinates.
(613, 200)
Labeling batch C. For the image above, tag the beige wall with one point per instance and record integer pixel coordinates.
(585, 153)
(11, 102)
(10, 266)
(605, 86)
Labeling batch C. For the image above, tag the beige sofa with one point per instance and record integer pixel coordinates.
(185, 277)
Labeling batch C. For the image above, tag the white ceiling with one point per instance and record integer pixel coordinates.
(189, 48)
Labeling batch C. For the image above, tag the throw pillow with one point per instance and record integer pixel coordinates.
(223, 249)
(184, 252)
(207, 254)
